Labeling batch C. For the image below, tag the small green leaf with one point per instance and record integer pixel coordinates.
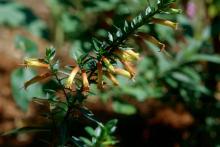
(50, 53)
(86, 141)
(90, 131)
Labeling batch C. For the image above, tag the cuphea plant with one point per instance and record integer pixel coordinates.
(106, 59)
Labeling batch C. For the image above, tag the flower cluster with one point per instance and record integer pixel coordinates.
(106, 58)
(106, 68)
(125, 57)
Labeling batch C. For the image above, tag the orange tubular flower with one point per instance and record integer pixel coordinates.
(107, 63)
(112, 78)
(168, 23)
(123, 72)
(152, 40)
(85, 81)
(128, 67)
(71, 77)
(122, 55)
(31, 62)
(36, 79)
(127, 55)
(132, 54)
(99, 67)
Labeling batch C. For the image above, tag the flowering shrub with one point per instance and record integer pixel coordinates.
(95, 67)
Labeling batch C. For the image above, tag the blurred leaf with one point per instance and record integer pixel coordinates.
(11, 14)
(37, 28)
(86, 141)
(26, 130)
(69, 24)
(26, 45)
(90, 131)
(181, 77)
(123, 108)
(21, 96)
(205, 57)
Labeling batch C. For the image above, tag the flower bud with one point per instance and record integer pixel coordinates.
(123, 72)
(112, 78)
(71, 77)
(32, 62)
(85, 81)
(107, 63)
(168, 23)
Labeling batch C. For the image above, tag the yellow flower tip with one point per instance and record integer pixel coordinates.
(71, 77)
(100, 73)
(107, 63)
(123, 72)
(85, 81)
(133, 54)
(128, 55)
(122, 54)
(166, 23)
(112, 78)
(31, 62)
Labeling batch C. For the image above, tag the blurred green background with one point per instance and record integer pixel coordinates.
(175, 98)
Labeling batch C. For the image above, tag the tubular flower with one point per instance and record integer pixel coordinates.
(71, 77)
(107, 63)
(152, 40)
(99, 67)
(85, 81)
(32, 62)
(112, 78)
(123, 72)
(168, 23)
(128, 55)
(122, 55)
(128, 67)
(132, 54)
(36, 79)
